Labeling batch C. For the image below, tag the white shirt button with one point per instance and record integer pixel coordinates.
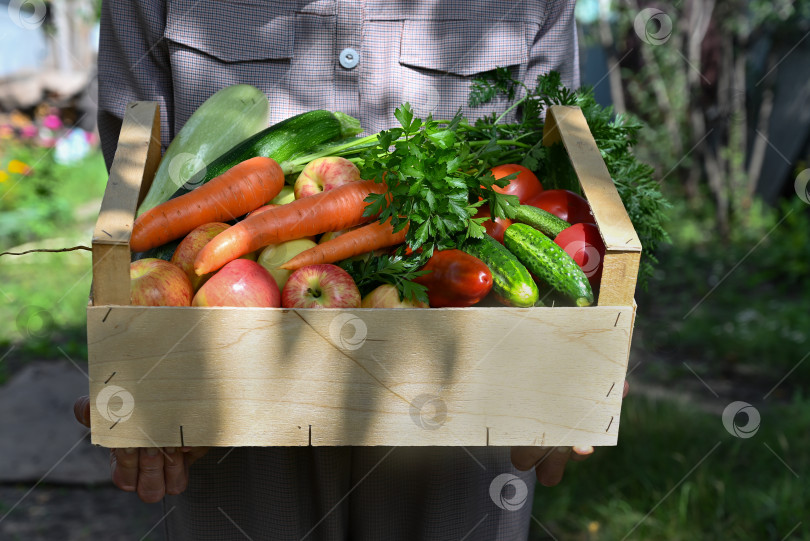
(349, 58)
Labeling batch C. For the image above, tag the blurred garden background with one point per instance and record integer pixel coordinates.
(714, 441)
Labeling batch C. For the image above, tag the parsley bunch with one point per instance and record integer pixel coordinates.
(435, 182)
(396, 269)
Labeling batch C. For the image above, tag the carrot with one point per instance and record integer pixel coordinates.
(242, 188)
(332, 210)
(355, 242)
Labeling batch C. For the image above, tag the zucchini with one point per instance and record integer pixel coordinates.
(540, 219)
(549, 262)
(225, 119)
(511, 282)
(282, 141)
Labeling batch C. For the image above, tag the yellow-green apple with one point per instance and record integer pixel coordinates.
(320, 286)
(155, 282)
(286, 195)
(387, 296)
(240, 282)
(329, 235)
(190, 246)
(274, 255)
(252, 256)
(323, 174)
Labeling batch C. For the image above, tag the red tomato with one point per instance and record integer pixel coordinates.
(457, 279)
(524, 186)
(495, 228)
(565, 205)
(584, 244)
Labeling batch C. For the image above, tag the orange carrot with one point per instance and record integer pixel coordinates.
(355, 242)
(242, 188)
(332, 210)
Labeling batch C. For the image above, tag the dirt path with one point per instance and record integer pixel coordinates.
(71, 513)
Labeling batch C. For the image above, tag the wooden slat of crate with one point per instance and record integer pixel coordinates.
(475, 376)
(134, 165)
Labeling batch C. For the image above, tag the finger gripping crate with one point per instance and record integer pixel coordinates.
(172, 376)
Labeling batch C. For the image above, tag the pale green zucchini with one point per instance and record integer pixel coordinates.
(223, 121)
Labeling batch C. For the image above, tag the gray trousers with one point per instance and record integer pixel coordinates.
(353, 493)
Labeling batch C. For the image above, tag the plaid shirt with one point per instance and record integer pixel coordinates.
(178, 53)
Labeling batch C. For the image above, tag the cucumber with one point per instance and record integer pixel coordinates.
(511, 282)
(540, 219)
(282, 141)
(549, 262)
(164, 252)
(225, 119)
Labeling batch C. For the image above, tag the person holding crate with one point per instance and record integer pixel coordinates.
(363, 58)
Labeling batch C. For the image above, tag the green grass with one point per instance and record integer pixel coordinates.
(43, 296)
(736, 306)
(644, 488)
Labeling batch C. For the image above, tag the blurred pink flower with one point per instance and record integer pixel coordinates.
(29, 131)
(52, 122)
(6, 131)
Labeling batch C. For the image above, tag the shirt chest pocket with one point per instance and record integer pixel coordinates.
(213, 44)
(438, 60)
(232, 31)
(463, 47)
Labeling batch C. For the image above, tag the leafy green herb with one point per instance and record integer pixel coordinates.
(435, 182)
(395, 269)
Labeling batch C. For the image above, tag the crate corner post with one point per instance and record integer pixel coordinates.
(622, 246)
(133, 168)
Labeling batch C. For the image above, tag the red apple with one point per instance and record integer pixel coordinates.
(155, 282)
(387, 296)
(323, 174)
(190, 246)
(320, 286)
(239, 283)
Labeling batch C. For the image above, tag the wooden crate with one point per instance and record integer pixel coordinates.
(171, 376)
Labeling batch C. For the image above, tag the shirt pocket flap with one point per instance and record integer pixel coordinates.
(235, 31)
(463, 47)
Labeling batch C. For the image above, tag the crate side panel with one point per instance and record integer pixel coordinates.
(474, 376)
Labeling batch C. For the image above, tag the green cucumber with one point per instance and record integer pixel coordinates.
(549, 262)
(225, 119)
(164, 252)
(283, 141)
(511, 282)
(540, 220)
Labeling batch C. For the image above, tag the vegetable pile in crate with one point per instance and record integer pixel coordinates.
(277, 328)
